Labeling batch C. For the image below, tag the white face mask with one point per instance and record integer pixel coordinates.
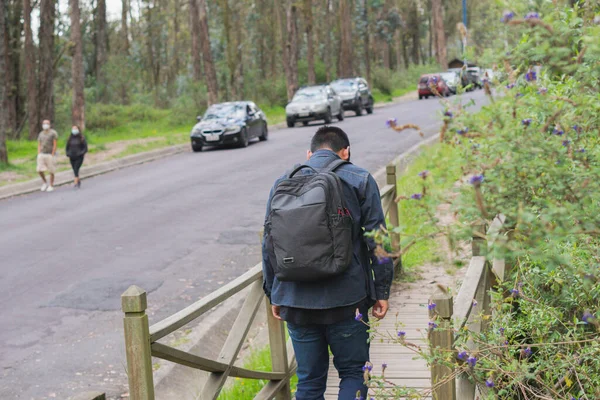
(46, 127)
(74, 132)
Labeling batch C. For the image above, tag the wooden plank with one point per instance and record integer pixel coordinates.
(234, 341)
(442, 338)
(279, 353)
(164, 352)
(193, 311)
(387, 190)
(464, 300)
(271, 389)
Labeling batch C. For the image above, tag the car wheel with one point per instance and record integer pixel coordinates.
(196, 147)
(265, 134)
(370, 107)
(420, 97)
(290, 123)
(305, 123)
(340, 116)
(328, 116)
(359, 110)
(244, 137)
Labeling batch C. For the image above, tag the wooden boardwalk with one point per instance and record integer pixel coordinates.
(408, 305)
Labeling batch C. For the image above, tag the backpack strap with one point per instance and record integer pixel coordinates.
(335, 164)
(298, 168)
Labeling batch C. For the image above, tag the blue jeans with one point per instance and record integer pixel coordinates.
(348, 343)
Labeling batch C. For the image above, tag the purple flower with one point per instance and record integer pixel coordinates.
(501, 331)
(515, 292)
(384, 260)
(390, 122)
(448, 114)
(433, 79)
(566, 143)
(558, 132)
(510, 86)
(489, 383)
(416, 196)
(507, 16)
(462, 355)
(472, 361)
(531, 76)
(588, 317)
(532, 15)
(542, 90)
(431, 306)
(581, 150)
(527, 121)
(462, 131)
(358, 316)
(474, 303)
(527, 352)
(367, 367)
(432, 325)
(424, 174)
(476, 180)
(519, 95)
(401, 334)
(384, 365)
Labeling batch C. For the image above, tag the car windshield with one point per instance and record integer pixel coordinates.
(219, 111)
(424, 79)
(449, 76)
(344, 86)
(307, 95)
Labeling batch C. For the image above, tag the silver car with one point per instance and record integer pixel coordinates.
(314, 103)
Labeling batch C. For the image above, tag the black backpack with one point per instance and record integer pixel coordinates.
(308, 231)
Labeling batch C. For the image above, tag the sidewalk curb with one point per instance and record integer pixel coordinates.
(66, 177)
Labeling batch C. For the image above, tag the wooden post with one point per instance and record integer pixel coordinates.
(279, 356)
(137, 344)
(442, 338)
(479, 245)
(391, 179)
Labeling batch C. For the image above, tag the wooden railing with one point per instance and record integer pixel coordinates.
(142, 341)
(452, 316)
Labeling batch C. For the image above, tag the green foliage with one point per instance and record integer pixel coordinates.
(532, 156)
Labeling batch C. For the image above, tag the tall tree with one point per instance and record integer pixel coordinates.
(290, 54)
(13, 33)
(46, 63)
(210, 72)
(3, 97)
(195, 31)
(366, 36)
(101, 49)
(30, 72)
(346, 67)
(124, 27)
(77, 74)
(310, 46)
(437, 14)
(414, 29)
(328, 46)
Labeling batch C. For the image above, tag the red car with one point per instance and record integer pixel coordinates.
(425, 82)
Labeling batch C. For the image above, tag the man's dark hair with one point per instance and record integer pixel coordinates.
(330, 137)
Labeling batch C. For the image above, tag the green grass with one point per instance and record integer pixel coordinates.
(444, 165)
(246, 389)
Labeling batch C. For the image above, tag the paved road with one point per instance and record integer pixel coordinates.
(179, 227)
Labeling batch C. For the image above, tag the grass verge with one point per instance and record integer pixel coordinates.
(246, 389)
(444, 165)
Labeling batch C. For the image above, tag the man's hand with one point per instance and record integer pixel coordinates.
(380, 309)
(276, 310)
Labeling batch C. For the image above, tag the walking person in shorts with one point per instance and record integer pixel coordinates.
(46, 150)
(76, 149)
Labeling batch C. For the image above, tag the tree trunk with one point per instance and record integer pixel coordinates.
(124, 27)
(14, 30)
(310, 46)
(440, 36)
(346, 61)
(196, 51)
(101, 50)
(46, 65)
(30, 72)
(291, 50)
(3, 97)
(415, 34)
(238, 19)
(398, 43)
(328, 49)
(367, 34)
(209, 66)
(404, 49)
(78, 106)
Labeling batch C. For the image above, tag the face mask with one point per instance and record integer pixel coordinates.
(46, 127)
(74, 132)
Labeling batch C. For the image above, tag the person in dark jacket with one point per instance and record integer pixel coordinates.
(76, 149)
(331, 314)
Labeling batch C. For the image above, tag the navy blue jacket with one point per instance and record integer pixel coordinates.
(365, 278)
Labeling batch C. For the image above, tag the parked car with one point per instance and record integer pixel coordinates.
(424, 86)
(465, 79)
(229, 123)
(313, 103)
(355, 93)
(475, 74)
(452, 79)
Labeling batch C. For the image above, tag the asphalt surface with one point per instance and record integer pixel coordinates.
(179, 227)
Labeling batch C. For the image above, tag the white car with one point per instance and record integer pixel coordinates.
(314, 103)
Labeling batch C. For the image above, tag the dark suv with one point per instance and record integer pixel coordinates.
(355, 93)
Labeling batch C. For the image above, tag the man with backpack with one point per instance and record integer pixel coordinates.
(320, 272)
